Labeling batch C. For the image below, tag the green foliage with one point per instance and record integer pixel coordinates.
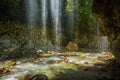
(70, 6)
(72, 46)
(84, 23)
(15, 31)
(84, 9)
(84, 30)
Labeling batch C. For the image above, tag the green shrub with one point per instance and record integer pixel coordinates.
(72, 46)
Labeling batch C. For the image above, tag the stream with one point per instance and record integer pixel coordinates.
(50, 65)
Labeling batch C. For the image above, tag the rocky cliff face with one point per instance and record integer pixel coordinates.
(107, 13)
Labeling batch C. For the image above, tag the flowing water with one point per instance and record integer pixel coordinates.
(97, 29)
(70, 19)
(52, 10)
(32, 11)
(56, 18)
(38, 66)
(32, 17)
(104, 44)
(44, 12)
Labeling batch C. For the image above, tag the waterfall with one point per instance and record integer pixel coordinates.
(44, 12)
(56, 18)
(49, 9)
(55, 13)
(102, 40)
(97, 31)
(31, 6)
(70, 19)
(32, 16)
(104, 44)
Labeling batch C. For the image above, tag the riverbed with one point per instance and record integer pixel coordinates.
(53, 65)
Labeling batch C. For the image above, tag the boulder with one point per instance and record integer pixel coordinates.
(38, 77)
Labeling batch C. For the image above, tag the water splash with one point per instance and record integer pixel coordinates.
(56, 18)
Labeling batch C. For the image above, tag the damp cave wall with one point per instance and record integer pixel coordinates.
(107, 13)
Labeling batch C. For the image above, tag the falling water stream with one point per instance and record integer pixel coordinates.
(44, 13)
(56, 18)
(71, 17)
(54, 8)
(32, 16)
(104, 44)
(32, 12)
(102, 40)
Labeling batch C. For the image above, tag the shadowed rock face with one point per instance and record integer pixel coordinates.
(108, 15)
